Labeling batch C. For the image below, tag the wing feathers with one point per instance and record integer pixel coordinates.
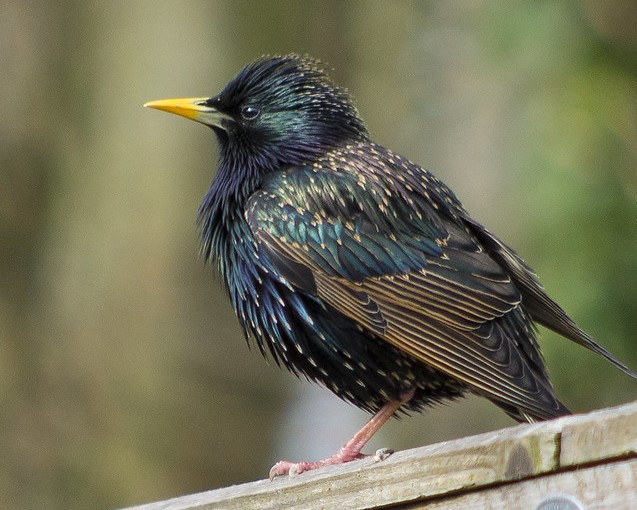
(419, 280)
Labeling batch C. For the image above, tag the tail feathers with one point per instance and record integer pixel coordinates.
(535, 300)
(526, 415)
(548, 313)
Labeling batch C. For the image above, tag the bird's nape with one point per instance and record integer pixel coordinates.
(359, 269)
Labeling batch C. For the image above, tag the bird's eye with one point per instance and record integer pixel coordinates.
(250, 112)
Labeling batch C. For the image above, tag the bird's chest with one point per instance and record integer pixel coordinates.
(237, 257)
(257, 295)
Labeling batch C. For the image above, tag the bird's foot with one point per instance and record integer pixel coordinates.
(352, 449)
(285, 467)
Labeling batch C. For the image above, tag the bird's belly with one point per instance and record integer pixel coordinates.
(309, 337)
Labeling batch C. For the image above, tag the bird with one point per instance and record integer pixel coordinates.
(355, 268)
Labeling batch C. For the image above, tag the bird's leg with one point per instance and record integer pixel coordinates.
(352, 449)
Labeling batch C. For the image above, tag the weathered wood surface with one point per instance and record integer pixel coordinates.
(589, 461)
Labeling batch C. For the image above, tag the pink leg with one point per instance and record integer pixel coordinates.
(350, 450)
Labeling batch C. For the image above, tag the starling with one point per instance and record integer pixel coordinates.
(356, 268)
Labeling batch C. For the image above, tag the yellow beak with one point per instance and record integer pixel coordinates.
(193, 108)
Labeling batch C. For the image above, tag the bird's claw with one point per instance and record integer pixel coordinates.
(285, 467)
(382, 453)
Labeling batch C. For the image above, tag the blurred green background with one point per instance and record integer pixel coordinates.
(124, 377)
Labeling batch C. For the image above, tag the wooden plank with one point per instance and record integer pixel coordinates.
(602, 487)
(439, 470)
(610, 434)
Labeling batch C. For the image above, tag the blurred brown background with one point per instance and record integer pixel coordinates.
(124, 377)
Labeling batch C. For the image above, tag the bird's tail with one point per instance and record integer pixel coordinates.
(525, 415)
(535, 300)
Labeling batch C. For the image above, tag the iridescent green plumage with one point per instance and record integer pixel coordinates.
(359, 269)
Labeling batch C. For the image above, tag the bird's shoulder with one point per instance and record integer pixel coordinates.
(353, 213)
(363, 212)
(366, 178)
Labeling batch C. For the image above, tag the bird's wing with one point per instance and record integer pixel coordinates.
(384, 255)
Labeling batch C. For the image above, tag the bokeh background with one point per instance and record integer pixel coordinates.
(124, 377)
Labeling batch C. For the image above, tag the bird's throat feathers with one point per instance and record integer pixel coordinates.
(220, 210)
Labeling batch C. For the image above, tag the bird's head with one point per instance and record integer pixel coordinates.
(277, 111)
